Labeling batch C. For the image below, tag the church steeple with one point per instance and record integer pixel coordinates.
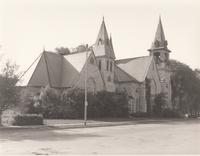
(103, 45)
(159, 41)
(105, 56)
(103, 34)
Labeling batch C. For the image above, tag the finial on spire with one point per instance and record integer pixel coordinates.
(103, 18)
(159, 18)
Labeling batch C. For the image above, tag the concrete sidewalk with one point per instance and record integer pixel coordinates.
(70, 124)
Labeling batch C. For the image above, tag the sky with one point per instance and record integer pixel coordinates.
(28, 26)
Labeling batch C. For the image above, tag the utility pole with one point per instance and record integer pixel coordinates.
(86, 102)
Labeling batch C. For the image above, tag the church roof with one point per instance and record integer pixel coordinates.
(135, 67)
(77, 59)
(121, 76)
(103, 45)
(55, 69)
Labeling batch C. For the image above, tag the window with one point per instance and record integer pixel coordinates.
(111, 66)
(99, 64)
(137, 105)
(92, 60)
(107, 65)
(100, 41)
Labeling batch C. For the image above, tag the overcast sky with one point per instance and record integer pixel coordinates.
(28, 25)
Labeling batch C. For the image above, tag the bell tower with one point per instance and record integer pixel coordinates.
(104, 52)
(160, 52)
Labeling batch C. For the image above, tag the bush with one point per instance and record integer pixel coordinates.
(169, 113)
(70, 104)
(28, 119)
(140, 114)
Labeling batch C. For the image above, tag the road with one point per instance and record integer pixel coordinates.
(181, 137)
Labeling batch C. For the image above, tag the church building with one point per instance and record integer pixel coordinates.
(141, 78)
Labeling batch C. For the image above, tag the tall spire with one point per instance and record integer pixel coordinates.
(159, 40)
(103, 34)
(103, 45)
(160, 36)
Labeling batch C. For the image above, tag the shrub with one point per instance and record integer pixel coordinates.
(140, 114)
(70, 104)
(160, 102)
(169, 113)
(28, 119)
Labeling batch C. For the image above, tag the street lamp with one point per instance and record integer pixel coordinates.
(86, 102)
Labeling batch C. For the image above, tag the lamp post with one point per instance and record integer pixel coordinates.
(86, 102)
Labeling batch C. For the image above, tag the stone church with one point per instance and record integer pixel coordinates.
(141, 78)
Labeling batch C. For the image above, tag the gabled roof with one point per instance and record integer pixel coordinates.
(121, 76)
(25, 77)
(55, 69)
(103, 45)
(77, 59)
(136, 67)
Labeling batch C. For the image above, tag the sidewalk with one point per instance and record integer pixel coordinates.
(70, 124)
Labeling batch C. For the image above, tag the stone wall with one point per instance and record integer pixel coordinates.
(94, 78)
(107, 75)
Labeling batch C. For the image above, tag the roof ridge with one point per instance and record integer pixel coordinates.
(129, 59)
(73, 53)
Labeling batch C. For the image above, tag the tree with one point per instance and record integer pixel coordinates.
(160, 102)
(185, 87)
(62, 50)
(9, 94)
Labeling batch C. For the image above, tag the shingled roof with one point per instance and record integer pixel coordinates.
(55, 70)
(121, 76)
(136, 67)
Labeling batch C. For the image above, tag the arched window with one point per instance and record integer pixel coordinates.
(99, 64)
(107, 65)
(100, 41)
(111, 66)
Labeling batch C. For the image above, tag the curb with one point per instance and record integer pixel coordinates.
(90, 125)
(66, 126)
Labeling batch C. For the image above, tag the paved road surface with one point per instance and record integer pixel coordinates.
(153, 138)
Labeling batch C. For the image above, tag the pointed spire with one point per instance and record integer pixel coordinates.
(159, 40)
(160, 36)
(103, 34)
(103, 43)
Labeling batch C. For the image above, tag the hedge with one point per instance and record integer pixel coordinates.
(28, 119)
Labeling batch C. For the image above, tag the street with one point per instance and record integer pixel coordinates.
(180, 137)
